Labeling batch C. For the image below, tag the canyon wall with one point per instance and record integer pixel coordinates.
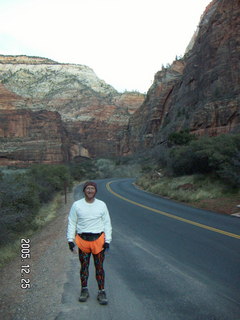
(52, 112)
(28, 137)
(200, 92)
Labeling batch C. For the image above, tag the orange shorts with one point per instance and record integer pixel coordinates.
(94, 247)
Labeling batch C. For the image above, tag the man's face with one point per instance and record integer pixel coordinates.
(90, 192)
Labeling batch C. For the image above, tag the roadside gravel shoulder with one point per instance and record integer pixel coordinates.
(48, 264)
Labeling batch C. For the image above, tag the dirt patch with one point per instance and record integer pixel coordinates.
(187, 186)
(220, 205)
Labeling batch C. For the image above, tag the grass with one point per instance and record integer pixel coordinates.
(45, 215)
(47, 212)
(197, 190)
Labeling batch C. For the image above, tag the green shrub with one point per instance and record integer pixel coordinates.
(50, 179)
(218, 155)
(19, 203)
(106, 168)
(83, 170)
(230, 171)
(19, 192)
(183, 160)
(77, 172)
(182, 137)
(22, 194)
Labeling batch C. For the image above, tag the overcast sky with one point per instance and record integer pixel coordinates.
(124, 41)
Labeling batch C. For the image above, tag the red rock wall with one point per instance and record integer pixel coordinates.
(7, 98)
(31, 137)
(203, 94)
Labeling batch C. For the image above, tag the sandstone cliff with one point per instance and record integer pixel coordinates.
(201, 91)
(27, 137)
(88, 115)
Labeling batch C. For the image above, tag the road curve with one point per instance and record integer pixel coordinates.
(167, 261)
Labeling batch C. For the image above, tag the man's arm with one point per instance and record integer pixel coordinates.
(107, 225)
(72, 224)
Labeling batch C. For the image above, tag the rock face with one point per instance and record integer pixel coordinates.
(76, 114)
(26, 136)
(145, 123)
(7, 98)
(201, 91)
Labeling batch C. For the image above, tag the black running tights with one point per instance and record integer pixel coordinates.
(84, 270)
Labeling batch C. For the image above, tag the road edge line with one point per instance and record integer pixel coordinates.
(172, 216)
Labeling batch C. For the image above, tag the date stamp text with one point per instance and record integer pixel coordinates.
(25, 266)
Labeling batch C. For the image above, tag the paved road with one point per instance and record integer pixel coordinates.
(167, 262)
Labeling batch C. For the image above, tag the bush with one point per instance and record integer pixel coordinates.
(182, 137)
(50, 179)
(18, 192)
(19, 203)
(106, 168)
(230, 171)
(84, 170)
(218, 155)
(22, 194)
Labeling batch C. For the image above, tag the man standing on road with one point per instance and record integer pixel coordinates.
(89, 226)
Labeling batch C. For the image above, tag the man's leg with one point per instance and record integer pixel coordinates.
(84, 270)
(84, 273)
(100, 276)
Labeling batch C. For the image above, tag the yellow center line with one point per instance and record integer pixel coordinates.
(172, 216)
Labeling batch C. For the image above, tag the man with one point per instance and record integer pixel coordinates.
(89, 226)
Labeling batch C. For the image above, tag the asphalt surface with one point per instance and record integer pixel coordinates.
(166, 261)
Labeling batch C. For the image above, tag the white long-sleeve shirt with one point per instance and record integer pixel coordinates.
(89, 217)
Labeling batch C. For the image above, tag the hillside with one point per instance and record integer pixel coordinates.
(86, 115)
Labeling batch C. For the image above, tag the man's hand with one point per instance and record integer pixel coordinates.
(106, 247)
(71, 245)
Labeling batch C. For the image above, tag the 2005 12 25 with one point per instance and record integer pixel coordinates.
(25, 267)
